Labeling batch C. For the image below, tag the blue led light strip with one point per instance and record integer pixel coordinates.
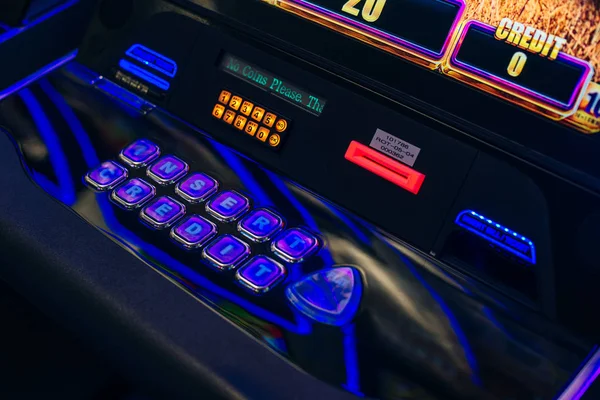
(153, 59)
(144, 75)
(38, 74)
(584, 379)
(497, 234)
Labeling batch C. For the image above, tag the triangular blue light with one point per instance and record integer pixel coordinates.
(330, 296)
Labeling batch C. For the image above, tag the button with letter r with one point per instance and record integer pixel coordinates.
(260, 225)
(133, 194)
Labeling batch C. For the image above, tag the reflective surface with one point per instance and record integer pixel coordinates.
(421, 331)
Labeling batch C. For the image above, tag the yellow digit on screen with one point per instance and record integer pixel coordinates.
(516, 64)
(372, 10)
(350, 7)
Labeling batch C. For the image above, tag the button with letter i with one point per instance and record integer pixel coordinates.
(140, 153)
(133, 194)
(260, 274)
(294, 245)
(105, 177)
(227, 206)
(226, 252)
(162, 213)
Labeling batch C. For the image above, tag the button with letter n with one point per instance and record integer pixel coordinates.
(140, 153)
(294, 245)
(260, 225)
(193, 232)
(106, 177)
(228, 206)
(197, 187)
(260, 274)
(133, 194)
(162, 213)
(167, 170)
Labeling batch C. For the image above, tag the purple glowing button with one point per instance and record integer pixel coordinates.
(140, 153)
(260, 274)
(133, 194)
(167, 170)
(294, 245)
(260, 225)
(227, 206)
(226, 252)
(197, 187)
(105, 177)
(193, 232)
(163, 212)
(330, 296)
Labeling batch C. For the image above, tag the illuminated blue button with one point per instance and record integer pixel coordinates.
(163, 212)
(167, 170)
(140, 153)
(227, 206)
(197, 187)
(260, 274)
(105, 177)
(133, 194)
(294, 245)
(260, 225)
(193, 232)
(226, 252)
(330, 296)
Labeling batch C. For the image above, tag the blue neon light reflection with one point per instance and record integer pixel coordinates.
(153, 59)
(497, 234)
(65, 190)
(144, 75)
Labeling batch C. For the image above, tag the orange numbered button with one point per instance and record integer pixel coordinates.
(251, 128)
(263, 134)
(229, 117)
(224, 97)
(246, 108)
(269, 119)
(240, 122)
(218, 111)
(281, 125)
(274, 140)
(258, 114)
(235, 103)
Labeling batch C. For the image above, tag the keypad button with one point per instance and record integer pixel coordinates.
(163, 212)
(236, 102)
(281, 125)
(197, 187)
(246, 108)
(240, 122)
(258, 114)
(294, 245)
(133, 194)
(227, 206)
(251, 128)
(229, 116)
(167, 170)
(224, 97)
(226, 252)
(193, 232)
(263, 134)
(218, 111)
(140, 153)
(260, 225)
(105, 177)
(274, 140)
(260, 274)
(269, 119)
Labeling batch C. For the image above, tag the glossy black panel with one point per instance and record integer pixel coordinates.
(422, 330)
